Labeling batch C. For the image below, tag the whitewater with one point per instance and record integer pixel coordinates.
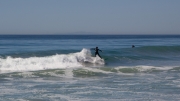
(64, 68)
(58, 61)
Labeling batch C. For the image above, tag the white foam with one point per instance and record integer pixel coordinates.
(59, 61)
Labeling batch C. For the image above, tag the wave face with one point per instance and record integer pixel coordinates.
(58, 61)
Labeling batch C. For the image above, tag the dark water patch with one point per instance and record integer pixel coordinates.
(139, 70)
(128, 70)
(175, 69)
(3, 76)
(86, 73)
(109, 69)
(48, 73)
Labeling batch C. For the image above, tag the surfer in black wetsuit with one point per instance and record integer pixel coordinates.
(96, 51)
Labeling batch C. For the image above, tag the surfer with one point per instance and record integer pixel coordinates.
(133, 46)
(96, 51)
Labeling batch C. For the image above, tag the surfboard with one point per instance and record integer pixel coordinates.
(86, 61)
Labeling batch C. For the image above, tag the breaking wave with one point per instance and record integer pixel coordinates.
(58, 61)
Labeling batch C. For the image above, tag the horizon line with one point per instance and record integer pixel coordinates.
(89, 34)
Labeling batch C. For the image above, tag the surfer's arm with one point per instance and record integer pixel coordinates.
(100, 50)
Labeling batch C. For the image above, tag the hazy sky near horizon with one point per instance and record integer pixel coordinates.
(90, 17)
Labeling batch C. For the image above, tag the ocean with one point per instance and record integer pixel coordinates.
(64, 68)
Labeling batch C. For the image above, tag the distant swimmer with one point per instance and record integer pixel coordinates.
(133, 46)
(96, 51)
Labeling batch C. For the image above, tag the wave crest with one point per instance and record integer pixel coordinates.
(58, 61)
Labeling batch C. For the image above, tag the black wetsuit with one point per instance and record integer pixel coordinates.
(96, 52)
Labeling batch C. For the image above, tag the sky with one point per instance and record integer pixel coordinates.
(90, 17)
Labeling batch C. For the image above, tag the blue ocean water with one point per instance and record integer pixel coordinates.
(64, 67)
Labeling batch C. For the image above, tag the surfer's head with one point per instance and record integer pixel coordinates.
(96, 47)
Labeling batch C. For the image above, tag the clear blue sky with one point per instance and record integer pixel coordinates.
(90, 17)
